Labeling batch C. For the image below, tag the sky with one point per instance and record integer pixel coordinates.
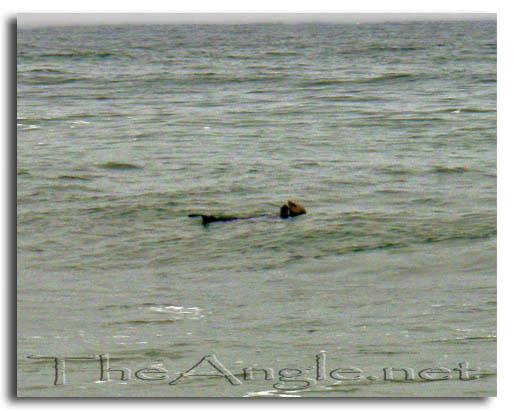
(29, 20)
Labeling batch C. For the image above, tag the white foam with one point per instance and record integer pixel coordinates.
(269, 393)
(179, 312)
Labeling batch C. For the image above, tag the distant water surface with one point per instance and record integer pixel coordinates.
(386, 133)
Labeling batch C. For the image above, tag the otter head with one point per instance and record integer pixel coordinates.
(295, 209)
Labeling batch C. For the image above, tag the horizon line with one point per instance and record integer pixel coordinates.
(33, 20)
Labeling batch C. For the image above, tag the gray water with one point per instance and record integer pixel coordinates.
(386, 133)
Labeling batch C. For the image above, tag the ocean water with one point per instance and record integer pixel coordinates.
(386, 133)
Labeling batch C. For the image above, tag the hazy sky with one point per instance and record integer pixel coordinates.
(37, 20)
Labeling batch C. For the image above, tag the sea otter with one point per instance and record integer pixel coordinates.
(292, 209)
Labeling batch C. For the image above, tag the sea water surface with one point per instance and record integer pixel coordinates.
(386, 133)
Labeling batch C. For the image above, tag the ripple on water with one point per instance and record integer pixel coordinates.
(149, 313)
(116, 165)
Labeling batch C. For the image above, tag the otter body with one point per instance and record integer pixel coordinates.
(292, 209)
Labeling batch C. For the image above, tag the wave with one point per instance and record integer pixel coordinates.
(407, 242)
(449, 170)
(45, 71)
(321, 83)
(395, 170)
(146, 211)
(143, 322)
(387, 49)
(76, 54)
(349, 98)
(115, 165)
(280, 54)
(71, 177)
(41, 80)
(389, 77)
(47, 75)
(458, 110)
(393, 77)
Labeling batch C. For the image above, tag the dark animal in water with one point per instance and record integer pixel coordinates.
(292, 209)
